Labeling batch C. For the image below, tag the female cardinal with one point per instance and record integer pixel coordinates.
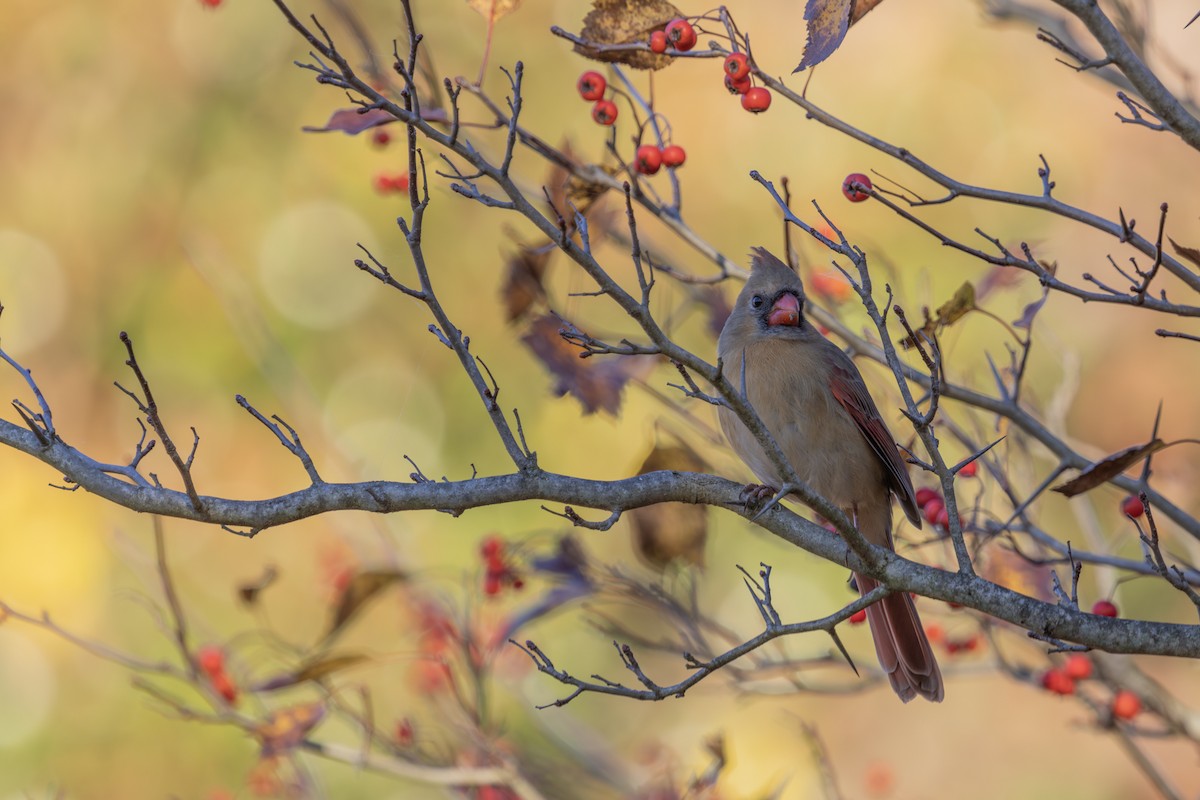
(813, 400)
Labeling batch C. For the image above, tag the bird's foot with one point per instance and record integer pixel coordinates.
(756, 497)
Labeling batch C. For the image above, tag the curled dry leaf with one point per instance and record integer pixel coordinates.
(1108, 468)
(1010, 570)
(353, 121)
(311, 670)
(625, 22)
(493, 10)
(1190, 253)
(524, 274)
(668, 532)
(947, 314)
(828, 21)
(249, 592)
(362, 587)
(596, 383)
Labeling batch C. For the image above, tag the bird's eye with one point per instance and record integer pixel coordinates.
(756, 301)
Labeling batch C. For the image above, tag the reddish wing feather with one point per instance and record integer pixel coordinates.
(851, 394)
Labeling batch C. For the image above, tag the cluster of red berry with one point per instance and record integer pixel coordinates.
(755, 99)
(211, 660)
(1078, 667)
(933, 507)
(498, 573)
(391, 182)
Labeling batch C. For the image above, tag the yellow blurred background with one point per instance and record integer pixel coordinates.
(155, 180)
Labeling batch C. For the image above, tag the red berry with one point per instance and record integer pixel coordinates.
(737, 66)
(381, 137)
(404, 732)
(388, 183)
(943, 519)
(681, 34)
(210, 3)
(858, 617)
(604, 112)
(225, 687)
(648, 159)
(925, 494)
(969, 469)
(1078, 667)
(931, 510)
(591, 85)
(756, 100)
(491, 548)
(738, 87)
(518, 583)
(211, 659)
(1132, 506)
(856, 187)
(673, 156)
(491, 583)
(1057, 681)
(658, 42)
(935, 632)
(1126, 705)
(1105, 608)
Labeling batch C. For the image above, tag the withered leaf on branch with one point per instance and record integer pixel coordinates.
(596, 382)
(666, 532)
(523, 278)
(362, 588)
(249, 592)
(625, 22)
(311, 670)
(947, 314)
(1190, 253)
(828, 21)
(494, 9)
(1011, 570)
(1027, 316)
(353, 121)
(284, 730)
(1108, 468)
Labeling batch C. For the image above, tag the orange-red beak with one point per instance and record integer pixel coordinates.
(786, 311)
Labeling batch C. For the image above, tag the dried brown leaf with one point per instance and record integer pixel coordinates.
(523, 287)
(312, 670)
(1108, 468)
(494, 9)
(249, 592)
(1009, 569)
(285, 729)
(1190, 253)
(666, 532)
(625, 22)
(353, 120)
(362, 587)
(949, 312)
(828, 21)
(597, 383)
(1031, 311)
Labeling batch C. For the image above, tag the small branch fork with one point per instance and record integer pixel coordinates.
(773, 628)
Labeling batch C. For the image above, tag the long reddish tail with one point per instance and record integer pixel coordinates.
(901, 644)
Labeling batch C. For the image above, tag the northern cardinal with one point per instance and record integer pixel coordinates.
(814, 402)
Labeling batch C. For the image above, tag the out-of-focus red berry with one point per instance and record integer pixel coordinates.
(491, 584)
(1132, 506)
(830, 286)
(491, 547)
(739, 86)
(858, 617)
(969, 469)
(925, 494)
(391, 182)
(591, 85)
(935, 632)
(1078, 667)
(1105, 608)
(673, 156)
(658, 42)
(737, 66)
(224, 686)
(681, 34)
(211, 659)
(1126, 705)
(604, 112)
(856, 187)
(405, 733)
(1057, 681)
(943, 519)
(381, 137)
(931, 510)
(647, 159)
(756, 100)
